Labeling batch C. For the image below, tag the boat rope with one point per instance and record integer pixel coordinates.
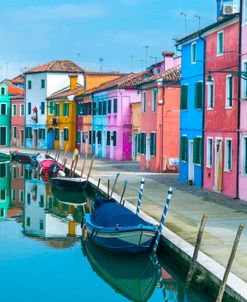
(162, 221)
(140, 196)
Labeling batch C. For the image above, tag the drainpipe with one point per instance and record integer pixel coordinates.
(161, 85)
(204, 102)
(239, 94)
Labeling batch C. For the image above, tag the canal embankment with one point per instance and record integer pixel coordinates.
(187, 206)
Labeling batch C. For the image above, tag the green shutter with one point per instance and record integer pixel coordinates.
(184, 148)
(184, 97)
(195, 151)
(139, 143)
(115, 106)
(198, 95)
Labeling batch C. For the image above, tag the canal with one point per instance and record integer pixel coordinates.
(42, 256)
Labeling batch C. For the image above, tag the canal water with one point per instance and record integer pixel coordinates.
(42, 256)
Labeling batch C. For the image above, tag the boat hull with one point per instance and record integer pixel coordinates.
(69, 184)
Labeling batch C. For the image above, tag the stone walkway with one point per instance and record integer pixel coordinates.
(186, 209)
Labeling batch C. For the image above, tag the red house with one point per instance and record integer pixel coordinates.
(221, 107)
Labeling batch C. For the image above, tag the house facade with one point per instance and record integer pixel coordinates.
(136, 113)
(4, 190)
(4, 115)
(158, 140)
(41, 82)
(17, 132)
(243, 108)
(222, 107)
(17, 185)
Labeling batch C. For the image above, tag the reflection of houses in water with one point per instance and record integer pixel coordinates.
(44, 216)
(4, 190)
(17, 184)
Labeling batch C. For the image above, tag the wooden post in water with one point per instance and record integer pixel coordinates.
(114, 184)
(64, 160)
(229, 264)
(124, 189)
(196, 250)
(89, 172)
(98, 184)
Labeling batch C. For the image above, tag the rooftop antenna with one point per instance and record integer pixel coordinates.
(199, 20)
(146, 58)
(142, 61)
(185, 20)
(155, 59)
(131, 63)
(101, 64)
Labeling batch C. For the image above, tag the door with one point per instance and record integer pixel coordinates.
(22, 137)
(35, 138)
(134, 146)
(61, 139)
(148, 152)
(104, 143)
(50, 139)
(218, 165)
(3, 136)
(111, 145)
(82, 142)
(86, 141)
(191, 167)
(96, 143)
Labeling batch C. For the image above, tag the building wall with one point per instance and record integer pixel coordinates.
(18, 121)
(136, 126)
(222, 122)
(93, 81)
(5, 119)
(191, 119)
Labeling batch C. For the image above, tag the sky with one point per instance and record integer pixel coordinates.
(34, 32)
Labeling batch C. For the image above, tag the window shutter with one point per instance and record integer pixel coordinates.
(230, 91)
(198, 95)
(184, 96)
(139, 142)
(195, 151)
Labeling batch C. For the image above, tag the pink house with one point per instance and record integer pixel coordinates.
(17, 120)
(242, 185)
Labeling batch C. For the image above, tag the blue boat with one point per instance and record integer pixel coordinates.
(116, 228)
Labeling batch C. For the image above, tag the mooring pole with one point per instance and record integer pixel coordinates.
(113, 187)
(98, 184)
(83, 166)
(108, 188)
(124, 189)
(229, 264)
(196, 250)
(140, 196)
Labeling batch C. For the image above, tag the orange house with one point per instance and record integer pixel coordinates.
(158, 140)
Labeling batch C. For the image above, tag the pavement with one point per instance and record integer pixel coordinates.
(186, 209)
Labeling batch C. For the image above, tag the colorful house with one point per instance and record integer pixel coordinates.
(17, 184)
(41, 82)
(158, 142)
(17, 120)
(242, 183)
(191, 109)
(84, 107)
(222, 106)
(136, 115)
(61, 117)
(4, 190)
(7, 90)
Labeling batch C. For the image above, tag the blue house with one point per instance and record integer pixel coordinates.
(192, 109)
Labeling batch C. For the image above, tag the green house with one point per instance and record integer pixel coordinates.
(4, 190)
(4, 115)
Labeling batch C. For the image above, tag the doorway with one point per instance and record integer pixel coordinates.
(35, 138)
(191, 172)
(3, 136)
(218, 165)
(22, 138)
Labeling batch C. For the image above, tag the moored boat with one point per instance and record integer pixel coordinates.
(49, 167)
(69, 184)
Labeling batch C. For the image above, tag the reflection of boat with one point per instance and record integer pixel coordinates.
(134, 277)
(73, 197)
(70, 184)
(115, 227)
(23, 158)
(4, 157)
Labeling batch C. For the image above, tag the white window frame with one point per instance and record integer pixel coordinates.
(227, 91)
(154, 101)
(193, 53)
(226, 155)
(4, 88)
(210, 85)
(6, 109)
(144, 107)
(218, 34)
(21, 191)
(210, 165)
(22, 105)
(244, 155)
(244, 82)
(4, 194)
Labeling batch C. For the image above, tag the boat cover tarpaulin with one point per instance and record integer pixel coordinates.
(111, 215)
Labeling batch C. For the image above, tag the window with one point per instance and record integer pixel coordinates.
(56, 134)
(43, 83)
(109, 106)
(57, 110)
(66, 134)
(94, 108)
(3, 91)
(184, 148)
(42, 134)
(65, 109)
(193, 52)
(29, 132)
(3, 168)
(78, 137)
(2, 212)
(41, 201)
(2, 194)
(104, 107)
(115, 109)
(228, 155)
(197, 152)
(184, 97)
(108, 138)
(154, 99)
(51, 108)
(3, 109)
(14, 111)
(42, 108)
(22, 110)
(29, 84)
(41, 224)
(94, 136)
(144, 101)
(13, 194)
(14, 172)
(28, 221)
(99, 136)
(114, 138)
(100, 108)
(14, 133)
(229, 91)
(245, 155)
(29, 109)
(244, 92)
(79, 108)
(152, 143)
(90, 137)
(21, 195)
(198, 95)
(211, 95)
(143, 143)
(209, 152)
(220, 43)
(28, 198)
(139, 143)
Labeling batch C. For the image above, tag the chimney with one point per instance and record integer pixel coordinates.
(73, 81)
(168, 59)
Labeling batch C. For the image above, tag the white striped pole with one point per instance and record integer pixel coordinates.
(163, 217)
(140, 196)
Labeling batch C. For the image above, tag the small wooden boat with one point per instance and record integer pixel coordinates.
(5, 157)
(23, 158)
(69, 184)
(49, 167)
(134, 277)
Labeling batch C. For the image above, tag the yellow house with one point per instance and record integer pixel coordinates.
(136, 128)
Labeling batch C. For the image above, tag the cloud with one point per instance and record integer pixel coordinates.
(61, 12)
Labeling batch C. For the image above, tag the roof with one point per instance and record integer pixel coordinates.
(205, 29)
(17, 97)
(65, 92)
(171, 75)
(57, 66)
(14, 90)
(105, 73)
(18, 80)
